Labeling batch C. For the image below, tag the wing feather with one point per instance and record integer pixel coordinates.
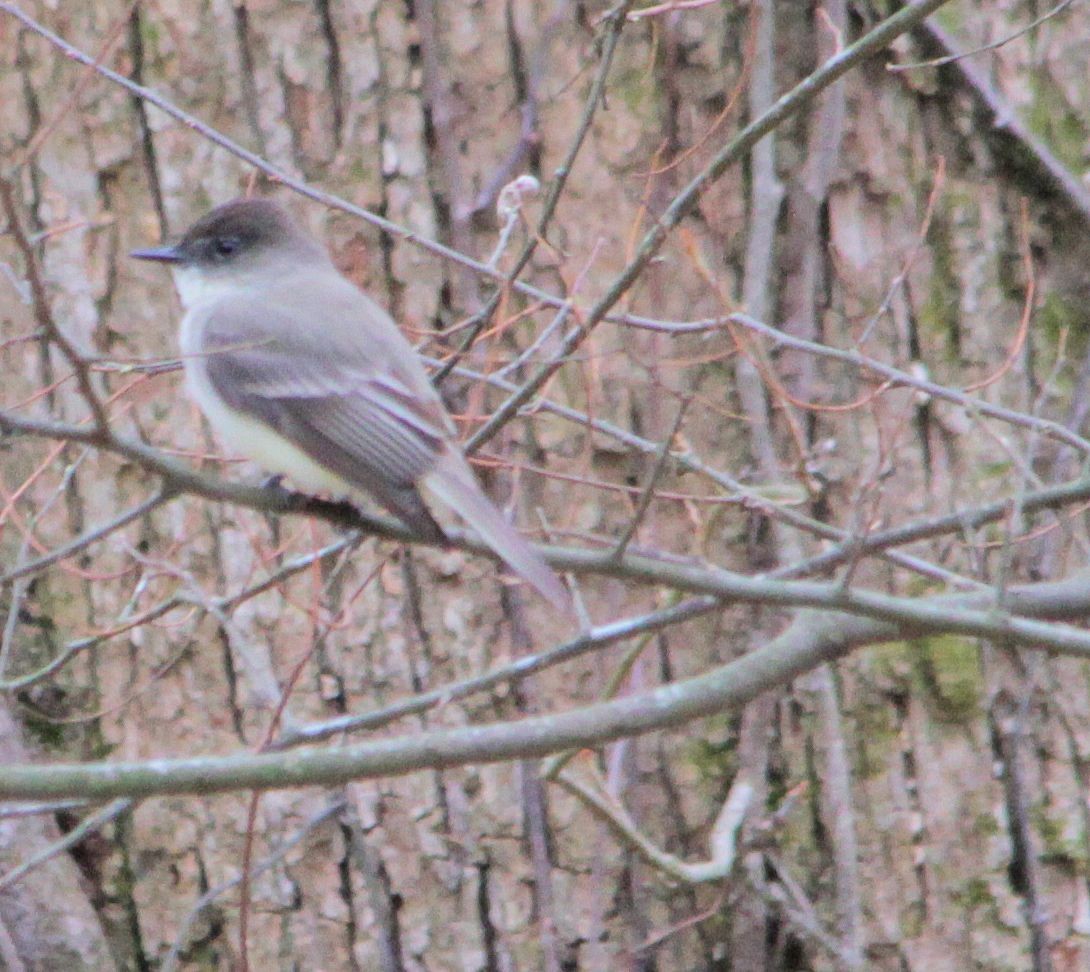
(331, 399)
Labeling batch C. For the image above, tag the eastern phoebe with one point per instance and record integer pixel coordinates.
(300, 371)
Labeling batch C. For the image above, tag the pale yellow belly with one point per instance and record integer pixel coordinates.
(254, 440)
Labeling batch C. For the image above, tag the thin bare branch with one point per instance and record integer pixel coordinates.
(93, 535)
(652, 481)
(42, 313)
(722, 841)
(88, 825)
(323, 816)
(524, 667)
(736, 149)
(613, 30)
(985, 48)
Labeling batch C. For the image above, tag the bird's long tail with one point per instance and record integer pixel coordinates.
(454, 484)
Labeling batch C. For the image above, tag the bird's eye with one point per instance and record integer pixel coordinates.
(226, 245)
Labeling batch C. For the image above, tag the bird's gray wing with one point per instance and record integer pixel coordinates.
(351, 404)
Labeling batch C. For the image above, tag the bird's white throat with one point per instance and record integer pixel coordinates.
(195, 286)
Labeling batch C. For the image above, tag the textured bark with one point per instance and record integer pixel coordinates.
(926, 808)
(47, 919)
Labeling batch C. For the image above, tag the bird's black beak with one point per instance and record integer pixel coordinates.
(160, 254)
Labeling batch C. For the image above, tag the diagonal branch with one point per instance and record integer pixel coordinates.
(86, 826)
(42, 313)
(91, 536)
(648, 492)
(527, 665)
(615, 21)
(684, 202)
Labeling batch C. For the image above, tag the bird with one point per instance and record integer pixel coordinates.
(299, 370)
